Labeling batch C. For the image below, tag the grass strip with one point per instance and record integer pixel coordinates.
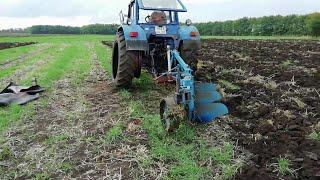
(57, 68)
(58, 38)
(183, 151)
(14, 53)
(27, 62)
(104, 55)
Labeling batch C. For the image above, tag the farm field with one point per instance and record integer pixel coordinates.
(83, 127)
(272, 91)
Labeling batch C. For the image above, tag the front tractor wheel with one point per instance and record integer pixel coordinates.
(125, 64)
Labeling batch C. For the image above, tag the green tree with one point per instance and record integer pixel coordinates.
(47, 29)
(313, 24)
(294, 25)
(99, 29)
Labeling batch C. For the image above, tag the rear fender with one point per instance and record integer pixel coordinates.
(189, 42)
(139, 43)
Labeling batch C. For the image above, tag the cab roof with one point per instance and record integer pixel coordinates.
(164, 5)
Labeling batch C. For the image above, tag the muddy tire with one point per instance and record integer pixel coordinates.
(124, 63)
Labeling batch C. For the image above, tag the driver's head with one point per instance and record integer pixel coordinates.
(158, 17)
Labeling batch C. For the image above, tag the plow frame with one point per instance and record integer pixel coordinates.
(200, 101)
(182, 75)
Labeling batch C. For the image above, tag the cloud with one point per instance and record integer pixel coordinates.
(9, 22)
(60, 8)
(22, 13)
(220, 10)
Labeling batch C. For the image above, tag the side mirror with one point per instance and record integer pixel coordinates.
(188, 22)
(129, 20)
(121, 17)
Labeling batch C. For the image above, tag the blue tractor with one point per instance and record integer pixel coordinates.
(151, 37)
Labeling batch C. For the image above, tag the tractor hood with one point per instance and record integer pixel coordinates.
(162, 5)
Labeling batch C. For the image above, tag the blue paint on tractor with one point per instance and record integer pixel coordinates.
(185, 31)
(145, 30)
(134, 28)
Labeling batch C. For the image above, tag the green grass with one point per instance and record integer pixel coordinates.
(59, 38)
(229, 85)
(42, 176)
(13, 53)
(66, 167)
(57, 139)
(284, 167)
(74, 62)
(178, 148)
(222, 156)
(114, 134)
(76, 57)
(5, 153)
(181, 151)
(104, 55)
(315, 136)
(28, 62)
(125, 94)
(286, 64)
(9, 114)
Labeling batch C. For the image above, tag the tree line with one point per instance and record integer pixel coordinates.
(48, 29)
(14, 30)
(295, 25)
(89, 29)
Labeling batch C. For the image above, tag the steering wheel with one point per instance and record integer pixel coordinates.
(147, 19)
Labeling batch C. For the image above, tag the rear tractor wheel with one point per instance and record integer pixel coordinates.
(125, 64)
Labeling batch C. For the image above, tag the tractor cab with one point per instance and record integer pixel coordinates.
(158, 18)
(154, 12)
(149, 29)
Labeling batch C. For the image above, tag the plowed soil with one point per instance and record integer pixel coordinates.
(272, 90)
(6, 45)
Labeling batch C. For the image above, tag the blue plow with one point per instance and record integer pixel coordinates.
(199, 101)
(207, 106)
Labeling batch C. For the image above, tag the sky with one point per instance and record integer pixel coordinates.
(25, 13)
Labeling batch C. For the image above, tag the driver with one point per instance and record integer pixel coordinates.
(158, 18)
